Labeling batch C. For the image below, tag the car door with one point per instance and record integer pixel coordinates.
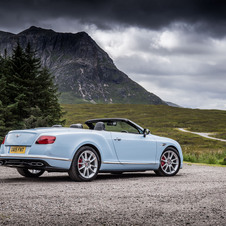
(132, 147)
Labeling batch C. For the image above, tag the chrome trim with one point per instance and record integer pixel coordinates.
(34, 157)
(111, 163)
(129, 163)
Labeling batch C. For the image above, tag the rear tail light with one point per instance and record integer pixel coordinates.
(3, 141)
(46, 140)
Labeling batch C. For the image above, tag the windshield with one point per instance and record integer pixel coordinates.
(117, 126)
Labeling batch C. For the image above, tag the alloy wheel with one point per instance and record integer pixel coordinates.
(169, 162)
(87, 164)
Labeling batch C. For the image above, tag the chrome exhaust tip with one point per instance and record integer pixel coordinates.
(1, 163)
(36, 164)
(40, 164)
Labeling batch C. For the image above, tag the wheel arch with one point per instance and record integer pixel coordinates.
(94, 147)
(171, 146)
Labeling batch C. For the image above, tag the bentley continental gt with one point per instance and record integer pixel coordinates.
(106, 145)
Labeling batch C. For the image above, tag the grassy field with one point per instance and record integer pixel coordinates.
(164, 121)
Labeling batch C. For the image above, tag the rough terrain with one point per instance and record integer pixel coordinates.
(196, 196)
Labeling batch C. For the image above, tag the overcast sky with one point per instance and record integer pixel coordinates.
(174, 48)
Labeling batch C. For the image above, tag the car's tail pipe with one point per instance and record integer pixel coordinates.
(36, 164)
(1, 163)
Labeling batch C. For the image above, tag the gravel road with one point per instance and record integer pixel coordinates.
(196, 196)
(205, 135)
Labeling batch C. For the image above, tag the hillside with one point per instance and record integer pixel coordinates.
(82, 70)
(164, 121)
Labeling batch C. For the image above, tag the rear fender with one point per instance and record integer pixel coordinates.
(102, 141)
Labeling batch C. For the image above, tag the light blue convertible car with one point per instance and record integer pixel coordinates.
(113, 145)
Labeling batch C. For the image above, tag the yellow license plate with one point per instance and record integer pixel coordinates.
(17, 150)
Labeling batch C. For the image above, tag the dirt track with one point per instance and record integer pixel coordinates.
(205, 135)
(197, 196)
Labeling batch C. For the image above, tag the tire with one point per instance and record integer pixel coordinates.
(85, 165)
(30, 172)
(169, 163)
(158, 173)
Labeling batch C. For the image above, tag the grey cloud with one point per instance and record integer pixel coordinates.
(187, 73)
(194, 54)
(206, 15)
(178, 66)
(187, 91)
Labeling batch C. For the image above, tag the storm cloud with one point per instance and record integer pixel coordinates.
(185, 68)
(204, 15)
(175, 48)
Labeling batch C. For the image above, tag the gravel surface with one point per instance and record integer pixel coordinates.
(206, 135)
(196, 196)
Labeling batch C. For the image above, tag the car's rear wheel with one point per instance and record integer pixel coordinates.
(30, 172)
(85, 164)
(169, 163)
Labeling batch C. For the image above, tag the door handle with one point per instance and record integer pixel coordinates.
(117, 139)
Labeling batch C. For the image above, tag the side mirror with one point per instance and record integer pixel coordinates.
(146, 132)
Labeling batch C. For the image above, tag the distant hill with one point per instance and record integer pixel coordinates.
(82, 70)
(173, 105)
(164, 120)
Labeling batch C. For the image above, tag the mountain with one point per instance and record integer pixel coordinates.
(83, 71)
(173, 105)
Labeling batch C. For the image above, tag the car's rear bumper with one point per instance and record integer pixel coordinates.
(35, 162)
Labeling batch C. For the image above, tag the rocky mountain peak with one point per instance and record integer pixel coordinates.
(36, 30)
(83, 71)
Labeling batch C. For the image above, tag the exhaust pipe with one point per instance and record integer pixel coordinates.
(1, 163)
(36, 164)
(40, 164)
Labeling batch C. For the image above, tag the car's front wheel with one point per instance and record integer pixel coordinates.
(30, 172)
(169, 163)
(85, 164)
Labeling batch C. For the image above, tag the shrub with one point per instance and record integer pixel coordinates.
(223, 162)
(212, 160)
(190, 158)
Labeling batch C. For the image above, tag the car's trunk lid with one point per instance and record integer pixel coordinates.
(29, 136)
(21, 138)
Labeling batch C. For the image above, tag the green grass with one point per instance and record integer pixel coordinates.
(163, 121)
(220, 135)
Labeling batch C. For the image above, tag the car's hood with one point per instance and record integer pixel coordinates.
(163, 139)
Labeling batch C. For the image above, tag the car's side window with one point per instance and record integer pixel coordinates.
(120, 126)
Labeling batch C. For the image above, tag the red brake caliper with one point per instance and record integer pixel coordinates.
(80, 161)
(162, 161)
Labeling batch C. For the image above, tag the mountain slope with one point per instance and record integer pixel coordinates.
(82, 70)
